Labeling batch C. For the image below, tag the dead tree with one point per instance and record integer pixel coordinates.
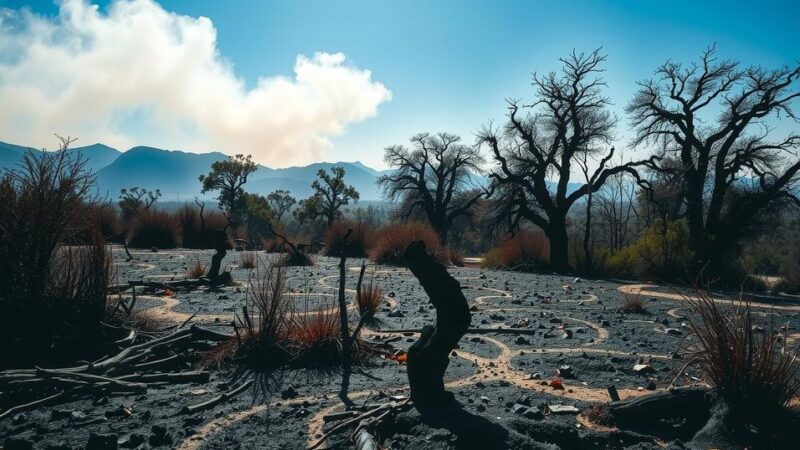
(429, 357)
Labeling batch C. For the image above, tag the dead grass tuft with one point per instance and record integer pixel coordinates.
(196, 270)
(749, 370)
(248, 260)
(632, 303)
(357, 244)
(369, 299)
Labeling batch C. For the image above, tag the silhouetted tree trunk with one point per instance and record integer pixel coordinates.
(429, 357)
(220, 239)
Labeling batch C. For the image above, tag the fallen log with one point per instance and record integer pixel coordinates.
(676, 402)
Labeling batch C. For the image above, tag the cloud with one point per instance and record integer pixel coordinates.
(137, 73)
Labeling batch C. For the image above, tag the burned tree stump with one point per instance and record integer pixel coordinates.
(220, 244)
(428, 358)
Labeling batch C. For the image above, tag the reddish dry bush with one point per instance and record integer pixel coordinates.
(391, 241)
(526, 250)
(357, 243)
(369, 299)
(456, 257)
(749, 370)
(196, 270)
(154, 228)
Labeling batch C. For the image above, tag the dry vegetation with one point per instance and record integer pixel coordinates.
(526, 251)
(248, 259)
(368, 300)
(154, 228)
(196, 270)
(358, 242)
(748, 368)
(391, 242)
(632, 304)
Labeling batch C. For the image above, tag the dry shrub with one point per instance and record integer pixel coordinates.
(749, 370)
(196, 270)
(197, 231)
(262, 328)
(145, 320)
(456, 257)
(357, 243)
(51, 293)
(632, 303)
(391, 242)
(154, 228)
(526, 250)
(369, 299)
(248, 260)
(103, 218)
(316, 338)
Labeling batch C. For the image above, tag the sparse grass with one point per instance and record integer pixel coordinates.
(632, 303)
(370, 299)
(316, 338)
(748, 369)
(248, 260)
(391, 242)
(600, 414)
(357, 244)
(196, 270)
(154, 228)
(526, 251)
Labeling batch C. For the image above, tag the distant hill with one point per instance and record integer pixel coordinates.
(175, 172)
(97, 156)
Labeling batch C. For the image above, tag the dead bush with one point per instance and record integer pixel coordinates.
(196, 270)
(357, 243)
(456, 257)
(52, 294)
(632, 303)
(749, 369)
(526, 251)
(369, 299)
(391, 241)
(248, 259)
(154, 228)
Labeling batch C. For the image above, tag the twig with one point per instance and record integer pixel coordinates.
(216, 400)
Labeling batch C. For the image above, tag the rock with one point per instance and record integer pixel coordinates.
(495, 316)
(289, 393)
(519, 409)
(132, 440)
(555, 320)
(391, 294)
(563, 409)
(395, 313)
(651, 386)
(576, 280)
(605, 323)
(565, 372)
(567, 334)
(19, 419)
(673, 331)
(159, 436)
(98, 441)
(643, 369)
(154, 249)
(536, 376)
(17, 443)
(481, 408)
(77, 415)
(521, 341)
(534, 414)
(524, 400)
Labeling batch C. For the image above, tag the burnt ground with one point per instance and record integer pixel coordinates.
(573, 323)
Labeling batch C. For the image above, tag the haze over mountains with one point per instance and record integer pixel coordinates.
(175, 172)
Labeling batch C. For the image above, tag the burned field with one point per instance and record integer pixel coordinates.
(532, 371)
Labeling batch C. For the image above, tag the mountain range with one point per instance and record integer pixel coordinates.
(175, 172)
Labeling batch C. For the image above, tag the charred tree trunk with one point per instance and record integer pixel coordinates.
(559, 245)
(220, 243)
(429, 357)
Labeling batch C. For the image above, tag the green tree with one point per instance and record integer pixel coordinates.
(331, 193)
(228, 176)
(280, 202)
(257, 215)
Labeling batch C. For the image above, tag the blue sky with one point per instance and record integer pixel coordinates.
(450, 64)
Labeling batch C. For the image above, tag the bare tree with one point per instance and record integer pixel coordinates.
(568, 120)
(614, 211)
(434, 177)
(714, 118)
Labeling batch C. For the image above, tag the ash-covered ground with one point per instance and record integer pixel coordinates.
(574, 328)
